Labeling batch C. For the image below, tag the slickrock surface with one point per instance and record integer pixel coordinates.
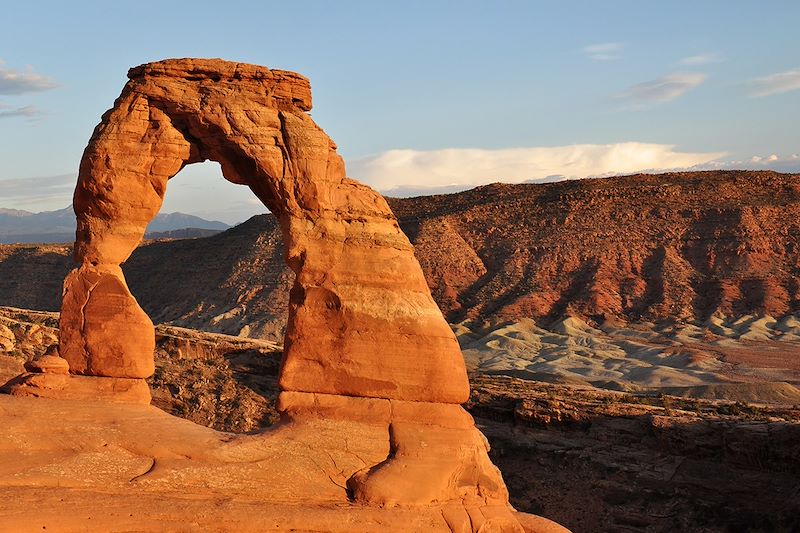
(110, 467)
(78, 466)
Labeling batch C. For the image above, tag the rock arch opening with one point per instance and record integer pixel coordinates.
(235, 282)
(201, 190)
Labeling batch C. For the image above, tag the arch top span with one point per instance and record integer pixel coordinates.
(361, 318)
(283, 86)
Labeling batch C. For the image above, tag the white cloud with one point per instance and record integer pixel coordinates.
(201, 190)
(603, 51)
(781, 82)
(701, 59)
(14, 82)
(663, 89)
(27, 111)
(412, 171)
(790, 163)
(37, 194)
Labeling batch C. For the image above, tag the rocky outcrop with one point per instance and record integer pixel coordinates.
(224, 382)
(365, 347)
(361, 319)
(603, 461)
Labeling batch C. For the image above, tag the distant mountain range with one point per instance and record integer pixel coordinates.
(681, 246)
(18, 226)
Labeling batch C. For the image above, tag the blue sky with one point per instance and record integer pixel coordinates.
(435, 94)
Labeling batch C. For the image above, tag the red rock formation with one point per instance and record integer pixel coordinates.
(365, 340)
(361, 319)
(654, 247)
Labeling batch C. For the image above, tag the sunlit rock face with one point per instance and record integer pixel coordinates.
(361, 321)
(368, 356)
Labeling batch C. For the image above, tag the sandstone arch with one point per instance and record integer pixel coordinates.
(371, 373)
(361, 319)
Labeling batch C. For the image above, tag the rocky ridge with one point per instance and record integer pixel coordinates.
(670, 247)
(675, 246)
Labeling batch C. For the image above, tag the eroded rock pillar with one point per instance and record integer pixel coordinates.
(122, 180)
(103, 331)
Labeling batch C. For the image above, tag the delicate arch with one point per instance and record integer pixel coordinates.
(361, 318)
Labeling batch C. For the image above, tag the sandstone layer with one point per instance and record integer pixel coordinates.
(91, 466)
